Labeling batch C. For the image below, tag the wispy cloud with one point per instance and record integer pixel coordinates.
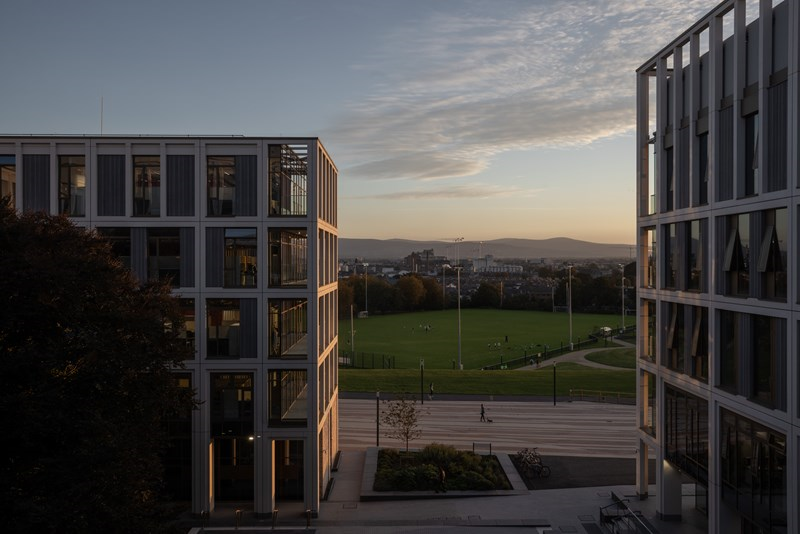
(457, 89)
(470, 191)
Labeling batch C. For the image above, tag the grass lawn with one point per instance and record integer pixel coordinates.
(487, 336)
(624, 358)
(537, 382)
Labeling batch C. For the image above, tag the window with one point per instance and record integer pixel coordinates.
(72, 185)
(671, 256)
(223, 328)
(772, 254)
(751, 154)
(146, 186)
(288, 328)
(686, 433)
(288, 256)
(729, 351)
(8, 178)
(695, 257)
(288, 179)
(702, 196)
(120, 240)
(221, 178)
(737, 256)
(241, 252)
(648, 421)
(648, 310)
(186, 307)
(164, 255)
(288, 397)
(769, 361)
(675, 338)
(753, 471)
(649, 255)
(699, 367)
(177, 456)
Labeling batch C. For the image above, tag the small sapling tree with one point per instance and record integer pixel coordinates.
(401, 418)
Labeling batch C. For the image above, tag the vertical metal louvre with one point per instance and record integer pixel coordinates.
(180, 185)
(776, 137)
(187, 257)
(36, 182)
(725, 174)
(110, 185)
(248, 319)
(215, 244)
(245, 201)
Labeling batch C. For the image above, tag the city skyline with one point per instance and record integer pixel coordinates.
(448, 119)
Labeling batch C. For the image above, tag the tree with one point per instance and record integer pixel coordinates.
(433, 294)
(85, 381)
(410, 291)
(401, 417)
(486, 296)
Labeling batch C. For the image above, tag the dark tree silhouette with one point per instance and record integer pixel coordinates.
(85, 381)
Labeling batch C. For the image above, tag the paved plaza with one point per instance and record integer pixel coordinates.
(578, 429)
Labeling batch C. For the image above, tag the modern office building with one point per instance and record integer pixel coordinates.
(245, 229)
(718, 132)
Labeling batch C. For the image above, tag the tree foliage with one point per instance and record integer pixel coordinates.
(85, 381)
(401, 417)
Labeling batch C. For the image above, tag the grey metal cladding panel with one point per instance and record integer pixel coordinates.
(777, 106)
(249, 328)
(180, 185)
(110, 185)
(187, 257)
(724, 177)
(36, 182)
(683, 168)
(215, 249)
(246, 201)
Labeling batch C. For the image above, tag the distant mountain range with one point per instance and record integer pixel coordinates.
(528, 249)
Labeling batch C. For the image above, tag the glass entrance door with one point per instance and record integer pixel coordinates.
(289, 470)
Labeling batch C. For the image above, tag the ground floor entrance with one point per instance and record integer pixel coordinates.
(289, 470)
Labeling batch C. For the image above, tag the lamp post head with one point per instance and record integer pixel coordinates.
(377, 394)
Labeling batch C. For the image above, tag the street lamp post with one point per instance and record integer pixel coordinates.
(458, 284)
(569, 287)
(377, 418)
(554, 383)
(622, 286)
(422, 380)
(366, 290)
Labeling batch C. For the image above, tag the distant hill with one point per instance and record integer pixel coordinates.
(557, 247)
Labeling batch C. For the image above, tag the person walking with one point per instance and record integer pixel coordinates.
(483, 413)
(430, 391)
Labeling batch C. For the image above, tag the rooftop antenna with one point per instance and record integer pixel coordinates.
(101, 115)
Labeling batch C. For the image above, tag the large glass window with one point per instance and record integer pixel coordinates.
(729, 350)
(737, 255)
(751, 154)
(649, 257)
(241, 255)
(695, 256)
(648, 416)
(699, 367)
(288, 257)
(72, 185)
(772, 254)
(671, 256)
(648, 310)
(120, 240)
(232, 424)
(164, 255)
(8, 178)
(753, 465)
(288, 397)
(146, 186)
(686, 433)
(288, 179)
(288, 328)
(769, 361)
(223, 328)
(221, 185)
(189, 327)
(674, 352)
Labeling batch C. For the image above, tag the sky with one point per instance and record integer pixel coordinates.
(446, 118)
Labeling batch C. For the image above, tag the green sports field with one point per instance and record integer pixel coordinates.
(487, 336)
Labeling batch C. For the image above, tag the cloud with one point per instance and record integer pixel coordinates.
(457, 89)
(464, 191)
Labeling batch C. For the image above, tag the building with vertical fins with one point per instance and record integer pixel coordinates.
(245, 228)
(717, 187)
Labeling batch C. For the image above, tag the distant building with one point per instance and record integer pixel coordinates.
(718, 201)
(245, 229)
(488, 265)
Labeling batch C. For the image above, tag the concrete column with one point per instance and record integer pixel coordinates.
(642, 471)
(670, 495)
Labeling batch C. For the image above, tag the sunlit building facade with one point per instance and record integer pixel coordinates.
(245, 230)
(717, 170)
